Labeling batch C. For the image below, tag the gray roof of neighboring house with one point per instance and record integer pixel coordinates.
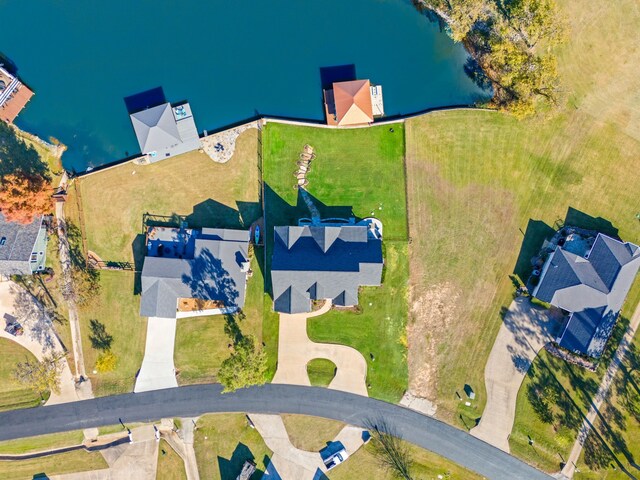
(159, 130)
(215, 273)
(315, 262)
(19, 242)
(593, 289)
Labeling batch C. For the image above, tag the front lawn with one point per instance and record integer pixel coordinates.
(69, 462)
(118, 309)
(42, 442)
(170, 464)
(224, 442)
(321, 371)
(14, 395)
(311, 433)
(357, 172)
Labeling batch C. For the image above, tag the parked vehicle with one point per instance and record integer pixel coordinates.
(336, 459)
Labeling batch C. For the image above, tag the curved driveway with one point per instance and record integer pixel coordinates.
(195, 400)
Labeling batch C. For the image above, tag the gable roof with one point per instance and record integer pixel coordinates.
(155, 128)
(353, 102)
(215, 273)
(316, 262)
(593, 288)
(19, 242)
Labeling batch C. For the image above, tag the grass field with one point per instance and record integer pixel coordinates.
(170, 465)
(224, 442)
(70, 462)
(321, 371)
(13, 394)
(311, 433)
(340, 180)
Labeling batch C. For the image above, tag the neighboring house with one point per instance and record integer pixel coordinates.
(23, 247)
(324, 262)
(14, 96)
(355, 102)
(165, 131)
(591, 287)
(194, 272)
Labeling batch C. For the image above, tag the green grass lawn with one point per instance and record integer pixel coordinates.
(321, 371)
(311, 433)
(170, 464)
(223, 443)
(341, 182)
(70, 462)
(13, 394)
(118, 309)
(42, 442)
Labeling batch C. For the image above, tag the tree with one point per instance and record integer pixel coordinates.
(83, 287)
(24, 196)
(392, 453)
(41, 376)
(460, 15)
(534, 20)
(246, 366)
(106, 362)
(100, 339)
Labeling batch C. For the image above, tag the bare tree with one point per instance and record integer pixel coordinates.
(41, 376)
(392, 453)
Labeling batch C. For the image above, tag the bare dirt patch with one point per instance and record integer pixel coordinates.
(432, 314)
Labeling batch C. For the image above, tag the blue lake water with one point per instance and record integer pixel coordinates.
(230, 60)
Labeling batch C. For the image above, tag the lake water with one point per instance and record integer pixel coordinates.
(230, 60)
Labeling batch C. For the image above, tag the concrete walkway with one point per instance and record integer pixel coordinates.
(295, 350)
(74, 323)
(137, 460)
(158, 371)
(601, 394)
(289, 462)
(524, 331)
(38, 337)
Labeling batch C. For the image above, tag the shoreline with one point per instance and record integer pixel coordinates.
(58, 150)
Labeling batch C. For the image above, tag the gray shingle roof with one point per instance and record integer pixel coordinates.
(215, 273)
(593, 289)
(19, 242)
(315, 262)
(159, 130)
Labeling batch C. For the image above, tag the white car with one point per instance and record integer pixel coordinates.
(336, 459)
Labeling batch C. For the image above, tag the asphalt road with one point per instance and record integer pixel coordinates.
(424, 431)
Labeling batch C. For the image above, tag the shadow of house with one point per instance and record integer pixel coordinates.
(576, 218)
(230, 468)
(536, 233)
(337, 73)
(147, 99)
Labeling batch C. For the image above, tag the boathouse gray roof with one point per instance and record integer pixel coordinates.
(162, 132)
(592, 288)
(214, 273)
(18, 242)
(318, 262)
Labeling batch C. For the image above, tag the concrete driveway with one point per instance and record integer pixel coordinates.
(38, 337)
(295, 350)
(289, 462)
(524, 331)
(158, 371)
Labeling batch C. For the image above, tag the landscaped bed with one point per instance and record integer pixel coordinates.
(356, 172)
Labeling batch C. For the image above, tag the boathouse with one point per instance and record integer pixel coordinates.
(355, 102)
(14, 96)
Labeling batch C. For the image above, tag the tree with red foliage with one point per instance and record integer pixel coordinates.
(23, 196)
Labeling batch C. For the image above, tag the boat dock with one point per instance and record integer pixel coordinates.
(14, 96)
